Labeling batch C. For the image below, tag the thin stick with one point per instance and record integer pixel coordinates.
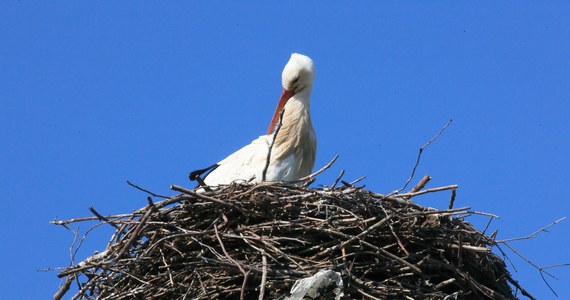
(75, 237)
(432, 190)
(421, 184)
(517, 285)
(543, 229)
(136, 232)
(483, 214)
(102, 218)
(233, 261)
(75, 220)
(484, 231)
(366, 294)
(243, 285)
(452, 198)
(167, 267)
(204, 197)
(530, 262)
(85, 287)
(421, 150)
(268, 159)
(263, 275)
(203, 184)
(453, 211)
(337, 179)
(320, 170)
(400, 244)
(357, 180)
(146, 191)
(540, 269)
(547, 284)
(64, 287)
(555, 266)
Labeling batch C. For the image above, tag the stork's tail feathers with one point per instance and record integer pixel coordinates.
(195, 175)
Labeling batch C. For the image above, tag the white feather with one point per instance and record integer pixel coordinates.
(248, 163)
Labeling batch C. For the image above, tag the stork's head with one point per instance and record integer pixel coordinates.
(297, 76)
(298, 73)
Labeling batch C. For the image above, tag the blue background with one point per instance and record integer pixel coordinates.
(96, 93)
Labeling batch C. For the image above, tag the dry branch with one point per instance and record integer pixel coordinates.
(268, 159)
(419, 157)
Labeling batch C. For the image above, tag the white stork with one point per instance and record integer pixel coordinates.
(293, 152)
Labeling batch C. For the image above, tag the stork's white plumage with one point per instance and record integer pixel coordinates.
(293, 152)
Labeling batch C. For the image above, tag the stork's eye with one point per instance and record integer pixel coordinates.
(295, 80)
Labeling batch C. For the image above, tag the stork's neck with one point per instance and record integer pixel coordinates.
(296, 118)
(298, 105)
(296, 135)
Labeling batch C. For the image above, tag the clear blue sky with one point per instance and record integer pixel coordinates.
(96, 93)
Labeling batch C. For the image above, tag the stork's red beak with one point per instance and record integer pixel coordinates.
(285, 96)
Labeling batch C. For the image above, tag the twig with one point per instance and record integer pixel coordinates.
(146, 191)
(357, 180)
(453, 211)
(540, 269)
(102, 218)
(452, 198)
(263, 276)
(320, 170)
(366, 294)
(243, 285)
(167, 267)
(337, 179)
(444, 283)
(400, 244)
(421, 184)
(75, 237)
(528, 260)
(483, 214)
(546, 282)
(518, 286)
(419, 157)
(85, 287)
(233, 261)
(64, 287)
(555, 266)
(268, 159)
(484, 231)
(203, 184)
(204, 197)
(543, 229)
(75, 220)
(432, 190)
(346, 184)
(136, 232)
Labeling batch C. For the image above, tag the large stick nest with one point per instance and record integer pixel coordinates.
(254, 241)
